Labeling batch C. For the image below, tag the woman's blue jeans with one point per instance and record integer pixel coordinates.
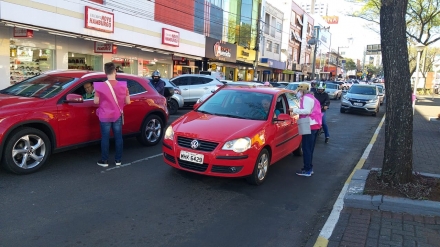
(116, 127)
(324, 125)
(308, 147)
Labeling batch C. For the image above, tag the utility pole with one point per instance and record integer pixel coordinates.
(257, 43)
(312, 7)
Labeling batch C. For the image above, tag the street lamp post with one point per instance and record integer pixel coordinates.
(419, 48)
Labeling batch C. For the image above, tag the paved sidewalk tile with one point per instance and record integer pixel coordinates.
(360, 227)
(426, 139)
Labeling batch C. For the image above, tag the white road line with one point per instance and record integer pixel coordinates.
(367, 151)
(132, 163)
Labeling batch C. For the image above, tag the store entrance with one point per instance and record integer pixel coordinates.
(84, 61)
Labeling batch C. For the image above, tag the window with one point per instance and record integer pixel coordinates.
(200, 80)
(80, 89)
(279, 27)
(266, 23)
(269, 46)
(182, 81)
(276, 48)
(42, 86)
(292, 18)
(134, 87)
(272, 28)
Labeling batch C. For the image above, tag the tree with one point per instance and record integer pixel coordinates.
(398, 158)
(350, 64)
(426, 64)
(422, 20)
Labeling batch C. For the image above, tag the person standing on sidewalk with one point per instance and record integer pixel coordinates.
(309, 108)
(324, 100)
(112, 96)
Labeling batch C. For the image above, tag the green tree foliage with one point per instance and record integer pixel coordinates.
(350, 64)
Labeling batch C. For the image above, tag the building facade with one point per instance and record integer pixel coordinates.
(75, 34)
(321, 8)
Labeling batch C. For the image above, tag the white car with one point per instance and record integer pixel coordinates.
(205, 96)
(194, 86)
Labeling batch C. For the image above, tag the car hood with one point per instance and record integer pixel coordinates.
(360, 96)
(11, 101)
(215, 128)
(330, 90)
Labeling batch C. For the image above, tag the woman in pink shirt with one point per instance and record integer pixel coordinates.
(111, 96)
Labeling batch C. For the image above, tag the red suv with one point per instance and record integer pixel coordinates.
(47, 114)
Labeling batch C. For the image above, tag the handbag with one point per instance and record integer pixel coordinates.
(304, 126)
(116, 100)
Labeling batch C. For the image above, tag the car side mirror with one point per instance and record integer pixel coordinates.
(74, 98)
(283, 117)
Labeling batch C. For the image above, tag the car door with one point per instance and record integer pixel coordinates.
(284, 133)
(183, 83)
(198, 87)
(139, 106)
(78, 122)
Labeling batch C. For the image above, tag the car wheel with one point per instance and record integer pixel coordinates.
(375, 112)
(260, 169)
(26, 151)
(342, 110)
(298, 151)
(173, 106)
(151, 131)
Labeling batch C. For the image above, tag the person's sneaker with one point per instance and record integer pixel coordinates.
(304, 173)
(102, 163)
(311, 171)
(118, 162)
(326, 139)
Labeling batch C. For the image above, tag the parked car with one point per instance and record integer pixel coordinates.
(294, 85)
(361, 98)
(253, 140)
(46, 114)
(333, 90)
(381, 89)
(175, 101)
(194, 86)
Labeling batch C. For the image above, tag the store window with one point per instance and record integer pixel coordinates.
(149, 66)
(126, 65)
(184, 67)
(26, 62)
(84, 61)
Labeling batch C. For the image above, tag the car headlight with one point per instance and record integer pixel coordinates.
(372, 101)
(345, 97)
(169, 133)
(238, 145)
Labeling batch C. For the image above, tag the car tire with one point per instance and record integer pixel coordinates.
(375, 113)
(173, 106)
(38, 148)
(298, 151)
(341, 110)
(151, 131)
(261, 168)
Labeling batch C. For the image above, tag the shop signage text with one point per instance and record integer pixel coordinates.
(105, 48)
(23, 33)
(98, 1)
(180, 62)
(245, 54)
(99, 20)
(220, 50)
(170, 37)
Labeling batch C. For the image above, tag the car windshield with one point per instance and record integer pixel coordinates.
(332, 86)
(42, 86)
(380, 89)
(238, 104)
(362, 90)
(292, 86)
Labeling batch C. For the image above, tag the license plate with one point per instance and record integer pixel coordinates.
(191, 157)
(358, 104)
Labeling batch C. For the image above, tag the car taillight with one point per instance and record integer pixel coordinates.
(177, 91)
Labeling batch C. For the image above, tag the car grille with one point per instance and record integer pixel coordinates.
(203, 145)
(170, 158)
(362, 101)
(226, 169)
(193, 166)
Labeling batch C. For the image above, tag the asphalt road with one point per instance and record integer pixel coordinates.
(74, 202)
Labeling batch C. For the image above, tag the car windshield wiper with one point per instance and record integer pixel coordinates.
(231, 116)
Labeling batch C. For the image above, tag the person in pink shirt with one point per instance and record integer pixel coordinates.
(111, 96)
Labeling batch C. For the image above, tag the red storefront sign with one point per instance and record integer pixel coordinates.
(170, 37)
(181, 62)
(105, 48)
(98, 1)
(23, 33)
(99, 20)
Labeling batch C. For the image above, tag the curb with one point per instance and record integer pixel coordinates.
(355, 198)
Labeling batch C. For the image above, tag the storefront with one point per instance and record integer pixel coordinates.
(36, 45)
(245, 60)
(272, 69)
(221, 56)
(184, 64)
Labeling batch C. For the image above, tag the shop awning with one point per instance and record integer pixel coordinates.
(289, 72)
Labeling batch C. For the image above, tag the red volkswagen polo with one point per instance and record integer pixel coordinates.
(239, 131)
(47, 114)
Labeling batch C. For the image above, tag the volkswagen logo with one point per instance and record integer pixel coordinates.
(194, 144)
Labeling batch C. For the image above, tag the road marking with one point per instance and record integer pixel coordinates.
(329, 226)
(132, 163)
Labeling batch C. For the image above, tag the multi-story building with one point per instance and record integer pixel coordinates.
(76, 34)
(320, 7)
(270, 65)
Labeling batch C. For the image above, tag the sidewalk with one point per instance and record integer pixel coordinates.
(360, 227)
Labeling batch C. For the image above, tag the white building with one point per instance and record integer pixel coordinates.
(76, 34)
(320, 7)
(270, 45)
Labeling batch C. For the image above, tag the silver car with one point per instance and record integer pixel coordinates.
(176, 101)
(194, 86)
(361, 98)
(333, 91)
(381, 88)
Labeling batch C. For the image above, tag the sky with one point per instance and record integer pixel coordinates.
(348, 27)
